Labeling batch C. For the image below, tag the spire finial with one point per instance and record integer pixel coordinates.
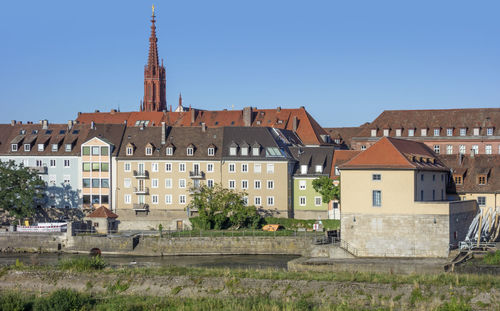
(153, 9)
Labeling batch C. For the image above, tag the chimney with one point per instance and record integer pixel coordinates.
(13, 122)
(247, 116)
(170, 108)
(113, 111)
(70, 124)
(295, 123)
(163, 132)
(472, 152)
(460, 158)
(278, 109)
(92, 125)
(203, 127)
(193, 115)
(45, 124)
(79, 113)
(97, 110)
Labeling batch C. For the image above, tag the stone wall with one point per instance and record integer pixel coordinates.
(104, 243)
(129, 220)
(32, 242)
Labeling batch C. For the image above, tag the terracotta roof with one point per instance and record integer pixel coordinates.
(435, 118)
(470, 168)
(393, 153)
(342, 156)
(102, 212)
(344, 134)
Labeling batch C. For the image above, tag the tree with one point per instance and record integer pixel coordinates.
(324, 186)
(20, 189)
(221, 208)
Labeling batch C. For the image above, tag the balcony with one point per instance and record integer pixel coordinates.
(196, 174)
(141, 207)
(39, 169)
(141, 174)
(144, 190)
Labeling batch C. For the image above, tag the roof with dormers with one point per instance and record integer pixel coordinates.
(394, 153)
(312, 157)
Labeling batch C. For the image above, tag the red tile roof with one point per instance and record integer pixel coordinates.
(340, 157)
(102, 212)
(393, 153)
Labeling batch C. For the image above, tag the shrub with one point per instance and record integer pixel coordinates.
(14, 302)
(83, 263)
(492, 258)
(63, 300)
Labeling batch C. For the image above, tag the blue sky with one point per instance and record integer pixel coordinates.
(345, 61)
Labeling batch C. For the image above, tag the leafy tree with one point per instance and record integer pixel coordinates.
(324, 186)
(20, 189)
(221, 208)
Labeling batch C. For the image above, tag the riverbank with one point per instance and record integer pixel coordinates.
(320, 290)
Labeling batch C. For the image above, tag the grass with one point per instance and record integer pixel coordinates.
(82, 264)
(492, 258)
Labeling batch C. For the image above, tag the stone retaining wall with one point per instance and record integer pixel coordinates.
(32, 242)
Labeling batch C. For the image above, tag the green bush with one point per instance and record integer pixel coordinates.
(492, 258)
(14, 302)
(82, 264)
(63, 300)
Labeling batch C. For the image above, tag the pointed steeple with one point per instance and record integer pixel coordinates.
(154, 75)
(180, 99)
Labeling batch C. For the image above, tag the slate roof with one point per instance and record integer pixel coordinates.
(102, 212)
(110, 133)
(312, 156)
(470, 168)
(5, 130)
(394, 153)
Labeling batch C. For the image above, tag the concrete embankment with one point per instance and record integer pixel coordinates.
(32, 242)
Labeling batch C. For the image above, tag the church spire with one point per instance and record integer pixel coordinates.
(154, 75)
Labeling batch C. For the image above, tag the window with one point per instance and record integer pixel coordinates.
(67, 147)
(398, 132)
(168, 167)
(86, 183)
(437, 148)
(270, 168)
(256, 184)
(449, 132)
(317, 201)
(154, 183)
(182, 199)
(53, 164)
(54, 147)
(95, 167)
(130, 151)
(95, 151)
(96, 183)
(244, 168)
(449, 149)
(421, 195)
(481, 180)
(476, 131)
(168, 183)
(377, 198)
(190, 151)
(232, 168)
(149, 151)
(319, 168)
(41, 147)
(475, 149)
(257, 168)
(86, 167)
(302, 201)
(210, 183)
(66, 179)
(104, 167)
(411, 132)
(303, 169)
(489, 131)
(257, 201)
(386, 132)
(421, 177)
(127, 183)
(270, 201)
(461, 149)
(423, 132)
(169, 151)
(210, 167)
(244, 151)
(363, 147)
(86, 151)
(154, 167)
(270, 184)
(182, 167)
(376, 177)
(105, 183)
(487, 149)
(127, 167)
(436, 132)
(66, 163)
(154, 199)
(182, 183)
(168, 199)
(232, 184)
(244, 184)
(374, 132)
(458, 180)
(255, 151)
(433, 195)
(481, 201)
(39, 163)
(302, 184)
(104, 151)
(211, 152)
(433, 177)
(27, 147)
(463, 131)
(127, 199)
(232, 151)
(26, 162)
(13, 147)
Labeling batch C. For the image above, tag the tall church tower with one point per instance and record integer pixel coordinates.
(154, 76)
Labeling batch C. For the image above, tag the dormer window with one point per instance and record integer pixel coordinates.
(67, 147)
(398, 132)
(27, 147)
(211, 151)
(337, 171)
(449, 132)
(436, 132)
(244, 151)
(256, 150)
(169, 151)
(463, 131)
(319, 168)
(423, 132)
(386, 132)
(411, 132)
(190, 151)
(303, 169)
(233, 149)
(374, 132)
(481, 179)
(130, 150)
(149, 150)
(476, 131)
(13, 147)
(54, 147)
(489, 131)
(41, 147)
(458, 179)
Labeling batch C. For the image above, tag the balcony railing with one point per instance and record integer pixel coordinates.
(39, 169)
(144, 190)
(196, 174)
(141, 207)
(141, 174)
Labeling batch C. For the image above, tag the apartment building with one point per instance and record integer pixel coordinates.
(394, 203)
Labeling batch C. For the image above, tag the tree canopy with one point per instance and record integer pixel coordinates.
(20, 188)
(222, 208)
(324, 186)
